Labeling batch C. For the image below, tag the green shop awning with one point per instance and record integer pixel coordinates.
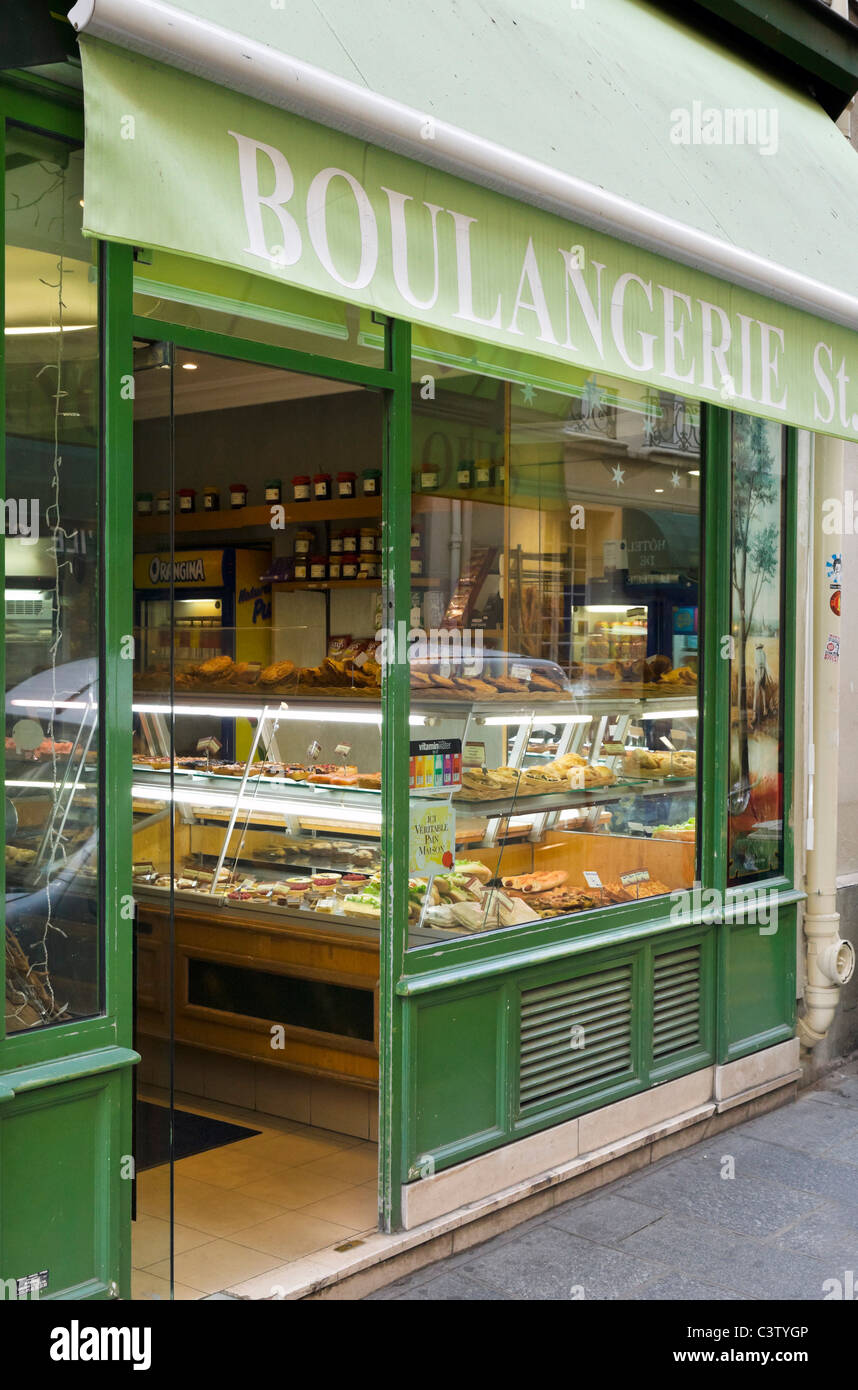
(597, 185)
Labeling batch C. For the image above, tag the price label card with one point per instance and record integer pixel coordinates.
(635, 876)
(343, 749)
(208, 745)
(591, 878)
(637, 828)
(314, 750)
(520, 672)
(679, 735)
(667, 743)
(635, 731)
(474, 755)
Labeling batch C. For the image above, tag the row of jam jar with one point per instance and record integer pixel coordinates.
(322, 487)
(354, 555)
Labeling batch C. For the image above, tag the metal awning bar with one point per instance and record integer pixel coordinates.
(208, 50)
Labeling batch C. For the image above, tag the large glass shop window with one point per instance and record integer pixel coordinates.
(755, 807)
(52, 609)
(553, 649)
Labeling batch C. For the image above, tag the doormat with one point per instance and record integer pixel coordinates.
(192, 1134)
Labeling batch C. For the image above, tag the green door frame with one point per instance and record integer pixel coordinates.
(393, 380)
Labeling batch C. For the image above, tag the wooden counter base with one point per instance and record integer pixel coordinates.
(329, 982)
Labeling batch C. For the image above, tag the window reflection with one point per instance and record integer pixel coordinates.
(52, 594)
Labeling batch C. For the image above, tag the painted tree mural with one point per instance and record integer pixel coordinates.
(756, 548)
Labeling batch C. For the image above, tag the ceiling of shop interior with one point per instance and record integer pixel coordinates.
(220, 383)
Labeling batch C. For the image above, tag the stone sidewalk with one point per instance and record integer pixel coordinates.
(767, 1210)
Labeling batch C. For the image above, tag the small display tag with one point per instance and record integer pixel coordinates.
(635, 731)
(634, 876)
(679, 735)
(474, 755)
(343, 749)
(520, 672)
(314, 750)
(210, 745)
(591, 878)
(636, 827)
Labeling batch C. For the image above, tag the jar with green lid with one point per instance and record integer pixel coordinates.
(371, 482)
(143, 503)
(483, 473)
(211, 499)
(429, 477)
(465, 474)
(273, 490)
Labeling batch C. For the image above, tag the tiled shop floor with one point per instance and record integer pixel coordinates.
(766, 1210)
(255, 1217)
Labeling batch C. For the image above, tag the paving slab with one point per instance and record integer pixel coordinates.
(783, 1225)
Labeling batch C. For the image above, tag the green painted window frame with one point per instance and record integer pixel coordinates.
(28, 104)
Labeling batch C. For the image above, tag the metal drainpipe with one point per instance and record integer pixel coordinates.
(830, 959)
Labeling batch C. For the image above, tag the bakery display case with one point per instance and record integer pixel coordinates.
(548, 799)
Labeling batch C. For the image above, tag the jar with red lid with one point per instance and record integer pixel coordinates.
(350, 540)
(322, 487)
(335, 566)
(300, 567)
(237, 495)
(318, 566)
(346, 484)
(368, 540)
(350, 565)
(187, 499)
(337, 544)
(301, 488)
(304, 542)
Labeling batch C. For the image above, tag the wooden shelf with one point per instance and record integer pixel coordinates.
(322, 584)
(244, 518)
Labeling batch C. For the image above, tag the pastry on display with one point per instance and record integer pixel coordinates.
(650, 762)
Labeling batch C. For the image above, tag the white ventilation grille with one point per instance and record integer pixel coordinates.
(574, 1034)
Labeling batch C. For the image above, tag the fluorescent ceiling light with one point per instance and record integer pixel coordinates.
(32, 594)
(494, 720)
(37, 329)
(53, 704)
(281, 806)
(276, 713)
(670, 714)
(189, 366)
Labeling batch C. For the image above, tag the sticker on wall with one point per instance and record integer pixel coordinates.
(834, 602)
(834, 567)
(832, 648)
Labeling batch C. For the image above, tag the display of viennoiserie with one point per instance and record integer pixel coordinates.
(356, 671)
